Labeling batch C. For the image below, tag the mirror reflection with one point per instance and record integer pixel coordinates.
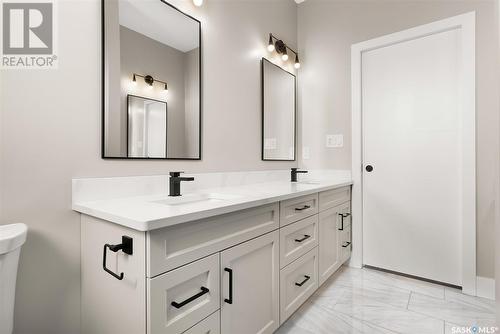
(151, 60)
(278, 113)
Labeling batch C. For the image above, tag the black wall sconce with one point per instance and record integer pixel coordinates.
(281, 48)
(148, 79)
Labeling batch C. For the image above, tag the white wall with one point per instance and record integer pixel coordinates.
(326, 31)
(51, 133)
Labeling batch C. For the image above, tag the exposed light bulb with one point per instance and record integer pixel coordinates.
(198, 3)
(284, 56)
(297, 63)
(270, 46)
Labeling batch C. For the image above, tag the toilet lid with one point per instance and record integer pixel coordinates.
(12, 236)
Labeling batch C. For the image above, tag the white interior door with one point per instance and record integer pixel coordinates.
(412, 127)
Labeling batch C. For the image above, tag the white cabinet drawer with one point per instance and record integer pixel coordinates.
(174, 246)
(297, 239)
(179, 299)
(331, 198)
(298, 208)
(346, 244)
(209, 325)
(298, 281)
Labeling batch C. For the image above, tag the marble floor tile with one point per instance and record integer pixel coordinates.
(398, 319)
(461, 310)
(370, 301)
(454, 295)
(406, 283)
(313, 319)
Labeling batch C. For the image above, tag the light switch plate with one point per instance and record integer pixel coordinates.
(270, 143)
(306, 153)
(334, 141)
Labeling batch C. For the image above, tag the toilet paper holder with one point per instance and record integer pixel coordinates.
(126, 246)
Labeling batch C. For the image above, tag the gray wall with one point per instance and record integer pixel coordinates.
(192, 102)
(143, 55)
(51, 129)
(326, 31)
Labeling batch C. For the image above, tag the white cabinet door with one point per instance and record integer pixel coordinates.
(250, 286)
(329, 243)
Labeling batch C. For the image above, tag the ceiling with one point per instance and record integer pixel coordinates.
(160, 22)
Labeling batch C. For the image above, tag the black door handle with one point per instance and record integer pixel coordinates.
(190, 299)
(369, 168)
(306, 236)
(307, 278)
(341, 222)
(126, 246)
(230, 299)
(303, 208)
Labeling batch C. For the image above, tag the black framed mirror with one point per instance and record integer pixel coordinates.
(279, 113)
(151, 58)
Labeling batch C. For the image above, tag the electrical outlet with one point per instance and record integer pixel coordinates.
(334, 141)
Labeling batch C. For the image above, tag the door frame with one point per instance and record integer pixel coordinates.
(466, 24)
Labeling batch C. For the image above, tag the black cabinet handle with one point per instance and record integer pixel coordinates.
(369, 168)
(190, 299)
(230, 299)
(342, 216)
(126, 246)
(346, 244)
(303, 208)
(307, 278)
(306, 236)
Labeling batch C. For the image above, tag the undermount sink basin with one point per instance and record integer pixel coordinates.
(197, 198)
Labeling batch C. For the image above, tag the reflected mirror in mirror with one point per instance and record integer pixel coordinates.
(147, 128)
(278, 113)
(151, 59)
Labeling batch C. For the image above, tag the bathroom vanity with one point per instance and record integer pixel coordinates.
(237, 259)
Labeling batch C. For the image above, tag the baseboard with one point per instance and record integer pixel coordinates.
(485, 287)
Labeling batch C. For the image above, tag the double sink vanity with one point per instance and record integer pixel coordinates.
(229, 253)
(236, 253)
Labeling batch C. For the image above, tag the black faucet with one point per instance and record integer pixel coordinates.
(295, 171)
(175, 183)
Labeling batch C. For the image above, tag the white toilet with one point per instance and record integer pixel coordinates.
(12, 237)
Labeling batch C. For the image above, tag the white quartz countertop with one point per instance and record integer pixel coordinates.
(145, 213)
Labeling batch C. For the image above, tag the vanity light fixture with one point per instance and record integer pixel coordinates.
(198, 3)
(149, 80)
(281, 48)
(134, 81)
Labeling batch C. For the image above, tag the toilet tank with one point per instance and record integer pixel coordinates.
(12, 237)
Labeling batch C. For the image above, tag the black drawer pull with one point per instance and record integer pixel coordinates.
(306, 236)
(230, 299)
(346, 244)
(303, 208)
(307, 278)
(190, 299)
(126, 246)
